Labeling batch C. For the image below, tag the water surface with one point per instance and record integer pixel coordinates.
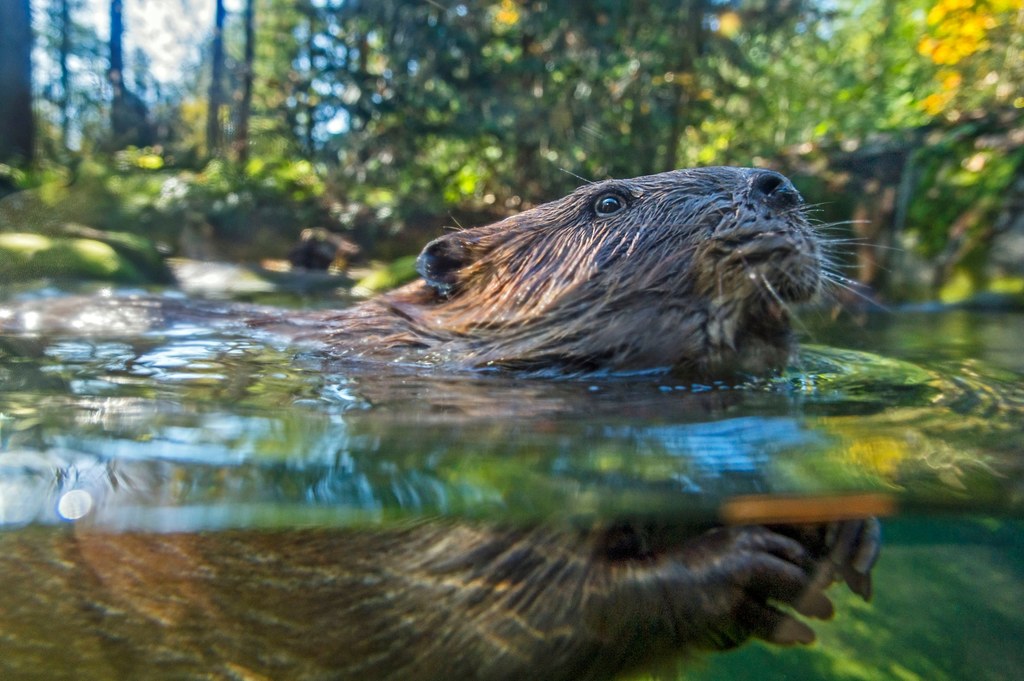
(917, 415)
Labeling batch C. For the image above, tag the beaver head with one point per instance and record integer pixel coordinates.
(692, 270)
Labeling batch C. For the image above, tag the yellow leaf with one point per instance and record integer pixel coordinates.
(729, 24)
(508, 13)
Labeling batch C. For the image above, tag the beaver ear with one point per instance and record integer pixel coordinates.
(440, 261)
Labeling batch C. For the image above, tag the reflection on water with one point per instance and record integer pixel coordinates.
(212, 491)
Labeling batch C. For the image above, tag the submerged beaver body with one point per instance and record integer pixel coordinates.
(429, 602)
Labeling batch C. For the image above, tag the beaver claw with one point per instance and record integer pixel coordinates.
(846, 550)
(854, 550)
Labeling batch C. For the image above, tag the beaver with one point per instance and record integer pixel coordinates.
(691, 271)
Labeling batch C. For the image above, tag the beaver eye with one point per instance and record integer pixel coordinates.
(608, 204)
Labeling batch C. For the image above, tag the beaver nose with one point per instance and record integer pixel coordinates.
(774, 190)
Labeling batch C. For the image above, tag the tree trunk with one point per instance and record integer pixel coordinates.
(129, 116)
(691, 42)
(65, 72)
(245, 105)
(213, 129)
(17, 130)
(115, 74)
(310, 95)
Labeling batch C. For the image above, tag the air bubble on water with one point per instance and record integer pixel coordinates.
(74, 504)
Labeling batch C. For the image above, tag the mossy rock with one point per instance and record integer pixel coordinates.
(387, 277)
(137, 250)
(33, 256)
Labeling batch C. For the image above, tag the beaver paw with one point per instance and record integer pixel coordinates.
(721, 587)
(752, 581)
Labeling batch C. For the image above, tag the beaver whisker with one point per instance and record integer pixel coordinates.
(786, 307)
(863, 241)
(837, 278)
(772, 292)
(799, 209)
(830, 263)
(853, 286)
(827, 259)
(839, 223)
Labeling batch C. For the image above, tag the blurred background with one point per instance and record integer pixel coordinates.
(339, 132)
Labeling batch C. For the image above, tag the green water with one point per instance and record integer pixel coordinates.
(947, 601)
(950, 585)
(191, 429)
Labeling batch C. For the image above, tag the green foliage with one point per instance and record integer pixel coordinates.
(139, 195)
(392, 118)
(12, 177)
(278, 195)
(297, 178)
(954, 177)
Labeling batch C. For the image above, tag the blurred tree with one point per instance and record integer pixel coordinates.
(241, 142)
(979, 49)
(492, 99)
(306, 71)
(274, 129)
(64, 54)
(71, 111)
(412, 110)
(129, 114)
(115, 73)
(214, 100)
(17, 140)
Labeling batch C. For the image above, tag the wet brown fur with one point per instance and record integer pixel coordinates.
(695, 273)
